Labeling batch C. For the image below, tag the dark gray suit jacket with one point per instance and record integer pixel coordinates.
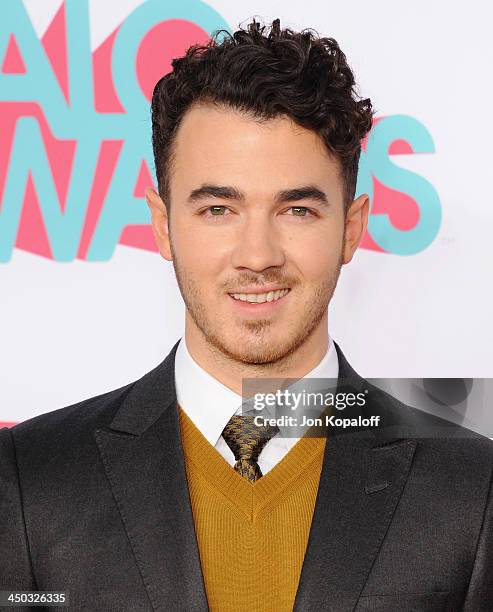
(94, 501)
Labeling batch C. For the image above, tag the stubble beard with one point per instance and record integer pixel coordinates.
(252, 345)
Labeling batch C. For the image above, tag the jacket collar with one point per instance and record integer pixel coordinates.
(148, 399)
(155, 392)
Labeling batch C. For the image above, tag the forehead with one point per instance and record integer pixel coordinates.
(223, 145)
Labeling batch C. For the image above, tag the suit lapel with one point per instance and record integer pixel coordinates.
(143, 459)
(360, 485)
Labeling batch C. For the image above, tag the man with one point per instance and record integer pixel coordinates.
(162, 495)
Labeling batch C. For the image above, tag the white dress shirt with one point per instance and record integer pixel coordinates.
(210, 404)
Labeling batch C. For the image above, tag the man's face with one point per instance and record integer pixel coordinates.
(256, 231)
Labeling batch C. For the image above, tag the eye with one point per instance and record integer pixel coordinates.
(300, 211)
(214, 211)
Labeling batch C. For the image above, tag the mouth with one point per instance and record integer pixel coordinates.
(260, 298)
(253, 304)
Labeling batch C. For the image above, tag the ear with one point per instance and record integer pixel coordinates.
(356, 223)
(160, 227)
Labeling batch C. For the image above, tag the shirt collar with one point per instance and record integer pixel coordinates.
(210, 404)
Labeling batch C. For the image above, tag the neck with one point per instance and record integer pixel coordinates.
(231, 372)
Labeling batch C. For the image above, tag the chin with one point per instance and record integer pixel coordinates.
(257, 351)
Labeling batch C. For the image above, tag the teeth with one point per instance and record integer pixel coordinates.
(260, 298)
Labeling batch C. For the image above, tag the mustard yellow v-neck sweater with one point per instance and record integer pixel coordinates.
(252, 537)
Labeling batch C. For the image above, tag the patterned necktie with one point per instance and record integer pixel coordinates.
(247, 440)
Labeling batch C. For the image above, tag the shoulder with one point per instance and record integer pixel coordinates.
(443, 445)
(67, 435)
(92, 412)
(57, 448)
(401, 421)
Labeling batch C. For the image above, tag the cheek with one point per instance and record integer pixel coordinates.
(315, 254)
(202, 253)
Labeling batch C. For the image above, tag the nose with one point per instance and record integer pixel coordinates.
(258, 245)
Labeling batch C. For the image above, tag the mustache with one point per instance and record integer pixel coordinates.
(249, 280)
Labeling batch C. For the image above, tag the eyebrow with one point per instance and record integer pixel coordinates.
(215, 191)
(307, 192)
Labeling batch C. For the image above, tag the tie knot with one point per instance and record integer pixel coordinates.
(245, 438)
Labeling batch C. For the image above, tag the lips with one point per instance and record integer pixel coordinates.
(260, 298)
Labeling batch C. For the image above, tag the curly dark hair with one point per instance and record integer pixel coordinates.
(267, 72)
